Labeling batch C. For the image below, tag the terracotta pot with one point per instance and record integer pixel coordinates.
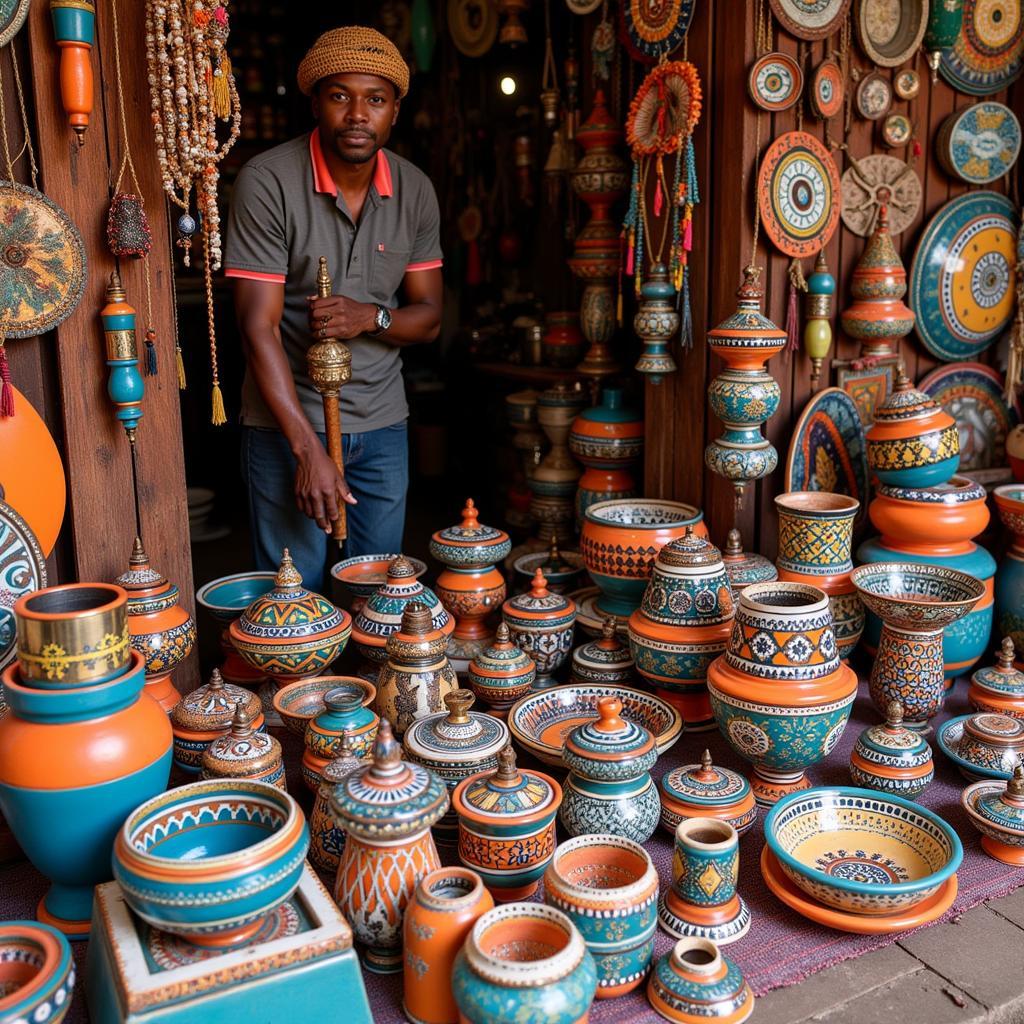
(347, 710)
(541, 623)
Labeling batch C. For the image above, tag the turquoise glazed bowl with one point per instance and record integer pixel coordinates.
(37, 974)
(862, 852)
(524, 962)
(227, 597)
(209, 860)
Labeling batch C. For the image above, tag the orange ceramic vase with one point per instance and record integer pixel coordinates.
(446, 905)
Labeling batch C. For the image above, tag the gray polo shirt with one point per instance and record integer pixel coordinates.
(286, 213)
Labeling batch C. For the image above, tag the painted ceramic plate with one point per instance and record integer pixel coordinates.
(897, 130)
(22, 570)
(829, 451)
(874, 96)
(973, 395)
(798, 193)
(827, 89)
(775, 82)
(890, 31)
(867, 180)
(590, 618)
(473, 25)
(583, 6)
(989, 52)
(907, 84)
(962, 277)
(810, 19)
(12, 17)
(655, 28)
(979, 144)
(948, 736)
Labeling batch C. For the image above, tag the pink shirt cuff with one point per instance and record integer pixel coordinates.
(425, 265)
(255, 275)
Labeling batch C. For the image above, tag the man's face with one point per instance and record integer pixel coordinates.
(355, 113)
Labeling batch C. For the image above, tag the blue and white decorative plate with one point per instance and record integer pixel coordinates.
(988, 55)
(979, 144)
(962, 277)
(12, 17)
(22, 570)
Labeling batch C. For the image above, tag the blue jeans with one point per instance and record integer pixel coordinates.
(377, 472)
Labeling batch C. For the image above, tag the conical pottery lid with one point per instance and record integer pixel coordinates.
(538, 604)
(141, 580)
(689, 584)
(389, 798)
(607, 660)
(705, 784)
(242, 751)
(892, 745)
(907, 403)
(501, 658)
(458, 734)
(609, 738)
(879, 273)
(748, 327)
(509, 792)
(746, 567)
(212, 706)
(1002, 678)
(470, 544)
(1004, 808)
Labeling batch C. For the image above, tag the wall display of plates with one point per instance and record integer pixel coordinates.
(973, 395)
(810, 19)
(868, 386)
(962, 277)
(798, 194)
(775, 82)
(22, 570)
(897, 130)
(988, 55)
(829, 451)
(873, 98)
(473, 25)
(907, 84)
(980, 143)
(827, 89)
(654, 30)
(12, 17)
(890, 31)
(876, 178)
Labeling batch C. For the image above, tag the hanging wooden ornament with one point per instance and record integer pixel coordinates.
(652, 31)
(827, 90)
(775, 82)
(74, 29)
(549, 77)
(876, 179)
(512, 33)
(897, 130)
(906, 84)
(810, 19)
(12, 16)
(659, 130)
(821, 291)
(602, 46)
(944, 22)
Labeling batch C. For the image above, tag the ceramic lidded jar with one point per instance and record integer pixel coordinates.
(244, 753)
(326, 840)
(995, 742)
(501, 673)
(290, 632)
(706, 791)
(444, 908)
(694, 982)
(418, 675)
(363, 575)
(541, 623)
(346, 710)
(996, 810)
(892, 758)
(609, 787)
(205, 714)
(562, 343)
(455, 744)
(608, 887)
(1001, 687)
(507, 826)
(386, 810)
(162, 631)
(745, 567)
(913, 441)
(606, 661)
(683, 624)
(381, 615)
(524, 962)
(470, 587)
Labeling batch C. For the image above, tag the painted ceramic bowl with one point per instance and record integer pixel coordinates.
(982, 746)
(562, 569)
(227, 597)
(910, 596)
(300, 702)
(693, 982)
(209, 860)
(621, 539)
(541, 722)
(862, 852)
(997, 812)
(37, 974)
(364, 575)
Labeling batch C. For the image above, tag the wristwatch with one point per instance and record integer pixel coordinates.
(382, 320)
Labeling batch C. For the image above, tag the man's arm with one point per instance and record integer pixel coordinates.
(319, 486)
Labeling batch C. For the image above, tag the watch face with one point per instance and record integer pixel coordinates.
(383, 318)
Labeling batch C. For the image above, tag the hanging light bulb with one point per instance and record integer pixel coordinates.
(821, 290)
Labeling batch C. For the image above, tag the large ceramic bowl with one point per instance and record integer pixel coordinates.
(562, 575)
(916, 597)
(363, 575)
(621, 539)
(37, 974)
(300, 702)
(541, 721)
(209, 860)
(862, 852)
(983, 745)
(227, 597)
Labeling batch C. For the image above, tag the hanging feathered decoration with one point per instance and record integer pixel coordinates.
(660, 126)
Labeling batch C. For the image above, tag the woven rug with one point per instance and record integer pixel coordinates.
(781, 948)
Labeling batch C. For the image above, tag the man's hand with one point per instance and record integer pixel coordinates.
(320, 487)
(340, 317)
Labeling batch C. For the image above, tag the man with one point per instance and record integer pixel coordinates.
(336, 193)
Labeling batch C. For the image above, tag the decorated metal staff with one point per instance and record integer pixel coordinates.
(329, 365)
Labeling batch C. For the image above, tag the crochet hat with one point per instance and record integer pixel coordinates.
(353, 49)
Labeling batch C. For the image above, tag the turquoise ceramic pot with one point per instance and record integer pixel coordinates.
(37, 974)
(693, 982)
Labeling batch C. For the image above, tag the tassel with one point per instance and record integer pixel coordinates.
(151, 367)
(219, 417)
(688, 231)
(916, 149)
(221, 92)
(658, 198)
(6, 391)
(686, 320)
(630, 253)
(181, 368)
(796, 284)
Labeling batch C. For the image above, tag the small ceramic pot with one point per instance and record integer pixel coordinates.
(501, 673)
(244, 753)
(996, 810)
(524, 962)
(364, 575)
(326, 840)
(347, 707)
(37, 974)
(224, 599)
(999, 689)
(705, 791)
(609, 787)
(541, 623)
(507, 826)
(72, 635)
(693, 982)
(992, 741)
(608, 887)
(298, 703)
(703, 902)
(891, 758)
(446, 905)
(606, 661)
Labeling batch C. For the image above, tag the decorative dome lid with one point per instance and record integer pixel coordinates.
(746, 567)
(1004, 808)
(748, 327)
(502, 658)
(508, 792)
(607, 660)
(416, 640)
(1002, 678)
(879, 273)
(704, 784)
(995, 731)
(470, 544)
(336, 771)
(458, 734)
(212, 706)
(907, 403)
(242, 751)
(609, 738)
(538, 604)
(893, 745)
(689, 584)
(389, 798)
(145, 586)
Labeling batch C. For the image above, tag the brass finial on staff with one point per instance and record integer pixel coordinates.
(329, 365)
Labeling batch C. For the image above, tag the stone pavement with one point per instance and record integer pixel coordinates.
(966, 971)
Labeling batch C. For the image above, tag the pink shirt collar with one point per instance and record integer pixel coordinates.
(323, 182)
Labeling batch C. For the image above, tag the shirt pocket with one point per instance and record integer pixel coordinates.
(388, 271)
